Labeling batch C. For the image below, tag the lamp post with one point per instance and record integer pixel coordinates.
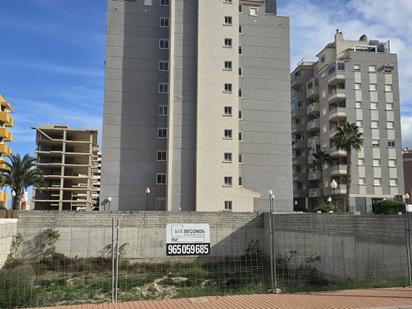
(333, 185)
(13, 194)
(109, 201)
(147, 197)
(272, 253)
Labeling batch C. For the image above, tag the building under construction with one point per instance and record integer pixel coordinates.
(69, 160)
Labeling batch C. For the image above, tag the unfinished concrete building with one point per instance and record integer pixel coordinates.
(68, 159)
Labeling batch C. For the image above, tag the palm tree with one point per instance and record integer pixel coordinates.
(347, 138)
(19, 174)
(320, 158)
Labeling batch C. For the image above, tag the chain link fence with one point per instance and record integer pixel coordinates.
(62, 264)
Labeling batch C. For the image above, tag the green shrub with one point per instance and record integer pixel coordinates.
(16, 287)
(325, 206)
(389, 207)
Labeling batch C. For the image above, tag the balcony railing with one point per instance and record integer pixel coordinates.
(335, 152)
(314, 175)
(340, 169)
(313, 141)
(336, 95)
(5, 150)
(6, 135)
(313, 124)
(313, 108)
(6, 119)
(337, 113)
(314, 192)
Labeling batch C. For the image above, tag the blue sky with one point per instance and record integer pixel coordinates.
(52, 54)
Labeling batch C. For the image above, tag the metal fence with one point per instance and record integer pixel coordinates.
(41, 273)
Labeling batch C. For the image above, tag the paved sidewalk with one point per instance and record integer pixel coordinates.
(375, 298)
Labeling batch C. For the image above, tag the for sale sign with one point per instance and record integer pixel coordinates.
(187, 239)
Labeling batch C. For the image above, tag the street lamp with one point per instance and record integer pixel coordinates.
(407, 236)
(109, 200)
(329, 199)
(147, 197)
(272, 253)
(333, 185)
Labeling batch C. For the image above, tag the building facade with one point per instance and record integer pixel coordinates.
(196, 106)
(6, 121)
(357, 82)
(69, 161)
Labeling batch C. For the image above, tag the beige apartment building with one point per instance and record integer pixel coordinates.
(70, 162)
(354, 81)
(6, 121)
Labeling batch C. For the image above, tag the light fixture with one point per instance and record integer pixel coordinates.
(333, 184)
(147, 191)
(329, 199)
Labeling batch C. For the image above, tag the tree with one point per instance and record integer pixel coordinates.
(320, 158)
(348, 138)
(20, 174)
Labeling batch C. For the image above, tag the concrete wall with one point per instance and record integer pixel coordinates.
(8, 228)
(349, 246)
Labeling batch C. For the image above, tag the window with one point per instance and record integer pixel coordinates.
(239, 93)
(228, 134)
(161, 155)
(164, 44)
(240, 50)
(359, 123)
(322, 59)
(240, 8)
(161, 179)
(372, 68)
(393, 182)
(375, 143)
(227, 1)
(374, 106)
(358, 86)
(341, 66)
(240, 158)
(240, 181)
(240, 136)
(361, 161)
(240, 115)
(228, 65)
(358, 105)
(162, 133)
(389, 106)
(228, 205)
(162, 110)
(372, 87)
(240, 73)
(375, 124)
(228, 157)
(388, 88)
(362, 181)
(163, 88)
(228, 42)
(148, 2)
(164, 2)
(228, 88)
(357, 67)
(228, 20)
(392, 163)
(164, 22)
(253, 11)
(377, 182)
(376, 162)
(391, 143)
(164, 65)
(390, 124)
(240, 29)
(227, 181)
(228, 111)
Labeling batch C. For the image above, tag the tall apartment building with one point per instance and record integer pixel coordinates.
(6, 121)
(197, 106)
(68, 159)
(354, 81)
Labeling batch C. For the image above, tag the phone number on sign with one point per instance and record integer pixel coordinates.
(187, 249)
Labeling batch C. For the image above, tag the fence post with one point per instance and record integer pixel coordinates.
(117, 260)
(272, 251)
(113, 270)
(408, 245)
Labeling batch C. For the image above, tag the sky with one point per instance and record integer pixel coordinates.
(52, 54)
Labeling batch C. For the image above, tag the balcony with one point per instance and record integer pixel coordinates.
(299, 160)
(314, 192)
(337, 95)
(297, 81)
(3, 165)
(340, 169)
(5, 150)
(6, 135)
(335, 152)
(314, 175)
(6, 119)
(298, 144)
(333, 132)
(314, 141)
(313, 125)
(298, 112)
(313, 108)
(336, 78)
(337, 114)
(341, 189)
(298, 127)
(312, 90)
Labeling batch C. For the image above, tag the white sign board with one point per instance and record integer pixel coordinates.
(187, 239)
(409, 208)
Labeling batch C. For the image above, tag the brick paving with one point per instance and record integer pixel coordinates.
(374, 298)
